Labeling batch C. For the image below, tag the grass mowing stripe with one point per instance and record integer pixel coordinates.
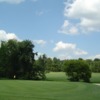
(39, 90)
(56, 89)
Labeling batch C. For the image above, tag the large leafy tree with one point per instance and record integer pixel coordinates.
(12, 57)
(26, 59)
(16, 59)
(3, 59)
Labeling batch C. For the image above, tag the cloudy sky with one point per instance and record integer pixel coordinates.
(66, 29)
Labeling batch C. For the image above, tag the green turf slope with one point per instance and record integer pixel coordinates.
(47, 90)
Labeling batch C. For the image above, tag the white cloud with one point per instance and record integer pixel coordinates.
(12, 1)
(86, 12)
(40, 42)
(68, 28)
(73, 30)
(68, 50)
(4, 36)
(97, 56)
(80, 52)
(93, 57)
(61, 46)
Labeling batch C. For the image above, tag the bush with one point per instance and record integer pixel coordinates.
(78, 70)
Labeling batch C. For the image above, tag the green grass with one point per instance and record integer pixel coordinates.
(56, 76)
(95, 78)
(61, 76)
(55, 88)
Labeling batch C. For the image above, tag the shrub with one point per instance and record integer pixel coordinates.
(78, 70)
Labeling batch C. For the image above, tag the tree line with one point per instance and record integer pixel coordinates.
(17, 60)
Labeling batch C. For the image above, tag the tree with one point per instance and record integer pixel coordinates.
(96, 59)
(3, 59)
(26, 59)
(49, 64)
(96, 66)
(39, 68)
(78, 70)
(12, 57)
(16, 59)
(56, 65)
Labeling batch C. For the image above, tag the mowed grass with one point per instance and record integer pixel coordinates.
(55, 88)
(95, 78)
(56, 76)
(61, 76)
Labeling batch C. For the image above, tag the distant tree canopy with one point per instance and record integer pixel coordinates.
(94, 65)
(78, 70)
(40, 68)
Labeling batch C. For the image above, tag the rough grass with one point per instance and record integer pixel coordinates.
(56, 88)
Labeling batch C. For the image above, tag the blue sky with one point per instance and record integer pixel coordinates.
(67, 29)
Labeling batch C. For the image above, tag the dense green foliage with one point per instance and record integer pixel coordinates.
(53, 65)
(78, 70)
(57, 65)
(17, 60)
(40, 67)
(94, 65)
